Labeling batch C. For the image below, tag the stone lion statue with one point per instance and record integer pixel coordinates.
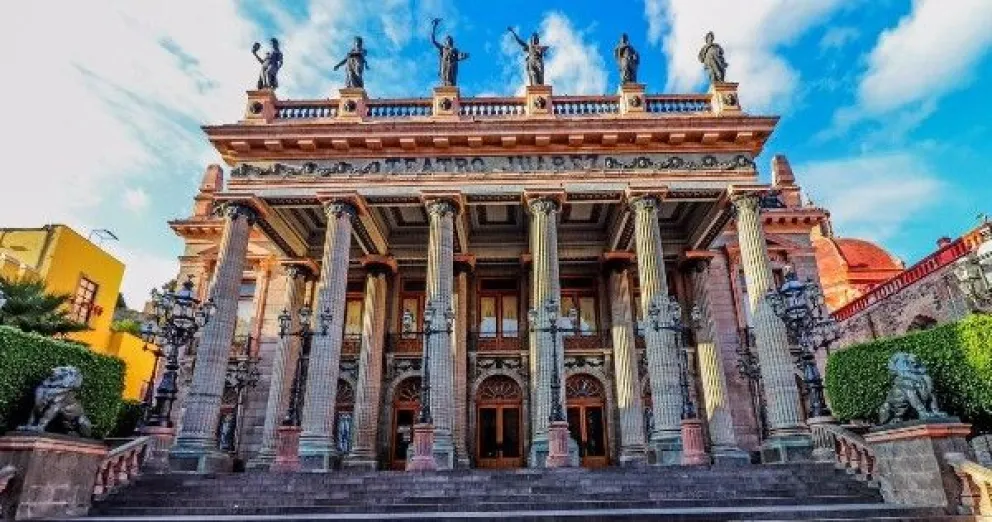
(911, 392)
(55, 400)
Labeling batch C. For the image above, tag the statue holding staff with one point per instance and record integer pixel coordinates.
(271, 63)
(711, 56)
(354, 76)
(448, 56)
(535, 56)
(627, 59)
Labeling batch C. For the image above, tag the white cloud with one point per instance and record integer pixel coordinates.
(142, 272)
(873, 196)
(136, 199)
(750, 32)
(573, 64)
(929, 53)
(838, 37)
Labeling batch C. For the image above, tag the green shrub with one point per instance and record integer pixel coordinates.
(958, 357)
(128, 417)
(130, 326)
(26, 359)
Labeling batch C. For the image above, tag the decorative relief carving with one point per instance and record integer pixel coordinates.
(584, 361)
(349, 369)
(440, 208)
(400, 366)
(234, 211)
(542, 205)
(746, 202)
(499, 164)
(644, 203)
(336, 208)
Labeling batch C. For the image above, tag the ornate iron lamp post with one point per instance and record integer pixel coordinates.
(288, 434)
(974, 278)
(175, 321)
(242, 373)
(749, 368)
(665, 313)
(801, 308)
(423, 431)
(557, 425)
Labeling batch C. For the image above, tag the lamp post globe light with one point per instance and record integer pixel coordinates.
(557, 425)
(801, 307)
(435, 322)
(665, 313)
(176, 318)
(288, 434)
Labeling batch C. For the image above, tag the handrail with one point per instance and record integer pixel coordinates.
(976, 485)
(925, 267)
(121, 465)
(850, 450)
(7, 473)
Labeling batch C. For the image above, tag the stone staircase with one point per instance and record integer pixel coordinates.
(782, 492)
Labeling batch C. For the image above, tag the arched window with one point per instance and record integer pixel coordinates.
(499, 388)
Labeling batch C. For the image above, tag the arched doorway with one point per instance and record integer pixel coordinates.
(586, 404)
(344, 413)
(499, 402)
(406, 404)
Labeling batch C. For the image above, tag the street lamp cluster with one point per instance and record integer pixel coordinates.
(801, 308)
(305, 332)
(435, 322)
(557, 425)
(176, 318)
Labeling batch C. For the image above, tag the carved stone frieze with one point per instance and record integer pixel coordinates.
(400, 366)
(513, 364)
(498, 164)
(584, 361)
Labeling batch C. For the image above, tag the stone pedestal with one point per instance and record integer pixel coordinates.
(632, 100)
(446, 103)
(693, 443)
(351, 103)
(287, 450)
(157, 460)
(823, 450)
(55, 474)
(261, 107)
(557, 445)
(538, 101)
(910, 460)
(724, 100)
(423, 449)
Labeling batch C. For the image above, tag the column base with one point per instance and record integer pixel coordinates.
(360, 459)
(666, 450)
(633, 456)
(693, 444)
(444, 450)
(317, 453)
(423, 449)
(787, 448)
(729, 456)
(823, 450)
(157, 460)
(538, 454)
(261, 462)
(557, 445)
(199, 459)
(287, 459)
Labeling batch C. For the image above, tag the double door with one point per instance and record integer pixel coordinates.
(499, 444)
(587, 427)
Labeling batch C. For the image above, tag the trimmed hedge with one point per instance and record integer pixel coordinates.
(957, 355)
(128, 417)
(26, 359)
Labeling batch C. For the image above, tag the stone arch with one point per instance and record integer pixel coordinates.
(384, 439)
(609, 400)
(921, 322)
(344, 411)
(473, 406)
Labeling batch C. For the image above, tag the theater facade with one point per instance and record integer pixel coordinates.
(377, 213)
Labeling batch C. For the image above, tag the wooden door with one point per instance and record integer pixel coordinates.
(406, 405)
(498, 423)
(586, 409)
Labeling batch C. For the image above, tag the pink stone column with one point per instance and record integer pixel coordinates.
(196, 444)
(633, 447)
(317, 450)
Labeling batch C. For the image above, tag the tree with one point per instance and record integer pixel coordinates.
(31, 308)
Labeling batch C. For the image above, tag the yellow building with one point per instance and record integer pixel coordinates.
(69, 263)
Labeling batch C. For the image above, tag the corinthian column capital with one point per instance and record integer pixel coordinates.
(645, 203)
(441, 208)
(543, 205)
(336, 209)
(235, 211)
(746, 201)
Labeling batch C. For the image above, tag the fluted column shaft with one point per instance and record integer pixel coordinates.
(370, 370)
(440, 271)
(711, 371)
(632, 444)
(777, 374)
(545, 285)
(316, 444)
(282, 369)
(199, 424)
(660, 345)
(459, 351)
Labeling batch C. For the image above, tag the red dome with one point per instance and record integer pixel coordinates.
(849, 267)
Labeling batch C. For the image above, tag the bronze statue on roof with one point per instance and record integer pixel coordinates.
(356, 63)
(627, 59)
(535, 56)
(271, 63)
(711, 56)
(448, 57)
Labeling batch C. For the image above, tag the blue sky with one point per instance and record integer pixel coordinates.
(884, 112)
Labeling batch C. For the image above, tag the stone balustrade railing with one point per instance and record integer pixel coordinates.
(401, 108)
(976, 485)
(585, 106)
(492, 107)
(121, 465)
(850, 450)
(306, 110)
(678, 104)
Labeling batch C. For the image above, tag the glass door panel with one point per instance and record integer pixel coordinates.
(511, 433)
(488, 435)
(402, 437)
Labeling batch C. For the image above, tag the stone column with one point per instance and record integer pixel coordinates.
(633, 447)
(660, 345)
(711, 374)
(196, 444)
(788, 437)
(317, 450)
(440, 270)
(459, 350)
(545, 285)
(282, 371)
(368, 389)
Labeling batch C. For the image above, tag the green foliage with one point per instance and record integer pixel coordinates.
(958, 357)
(127, 418)
(130, 326)
(31, 308)
(26, 359)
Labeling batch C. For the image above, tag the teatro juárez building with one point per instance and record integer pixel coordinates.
(378, 212)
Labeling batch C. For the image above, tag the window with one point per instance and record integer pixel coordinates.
(498, 309)
(412, 301)
(580, 294)
(246, 309)
(353, 317)
(82, 302)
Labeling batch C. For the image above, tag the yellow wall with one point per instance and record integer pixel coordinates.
(139, 362)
